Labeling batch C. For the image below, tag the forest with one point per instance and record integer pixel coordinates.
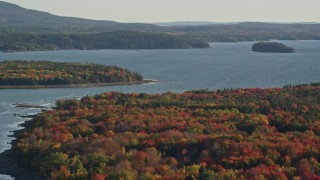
(24, 29)
(250, 31)
(55, 73)
(249, 133)
(11, 41)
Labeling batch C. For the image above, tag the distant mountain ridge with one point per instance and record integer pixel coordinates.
(25, 29)
(14, 16)
(245, 23)
(189, 23)
(252, 31)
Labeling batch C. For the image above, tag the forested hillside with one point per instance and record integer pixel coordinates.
(19, 19)
(111, 40)
(225, 134)
(29, 30)
(251, 31)
(23, 29)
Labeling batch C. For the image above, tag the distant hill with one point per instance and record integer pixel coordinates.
(29, 30)
(297, 27)
(14, 17)
(189, 23)
(11, 42)
(251, 31)
(25, 29)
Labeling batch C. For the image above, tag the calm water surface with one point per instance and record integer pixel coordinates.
(224, 65)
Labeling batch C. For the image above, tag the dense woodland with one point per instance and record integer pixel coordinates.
(176, 38)
(110, 40)
(54, 73)
(251, 31)
(225, 134)
(24, 29)
(272, 47)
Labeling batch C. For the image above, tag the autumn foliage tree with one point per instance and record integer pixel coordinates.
(225, 134)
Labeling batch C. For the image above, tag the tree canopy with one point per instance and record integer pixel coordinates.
(225, 134)
(11, 41)
(56, 73)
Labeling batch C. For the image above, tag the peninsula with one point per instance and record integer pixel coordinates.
(42, 74)
(269, 133)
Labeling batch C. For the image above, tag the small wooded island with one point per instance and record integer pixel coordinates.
(272, 47)
(225, 134)
(33, 74)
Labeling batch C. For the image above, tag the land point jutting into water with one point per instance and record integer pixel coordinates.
(236, 134)
(218, 110)
(41, 74)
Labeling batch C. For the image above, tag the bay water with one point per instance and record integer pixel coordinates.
(224, 65)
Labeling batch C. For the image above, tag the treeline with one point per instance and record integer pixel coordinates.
(110, 40)
(54, 73)
(250, 36)
(251, 32)
(225, 134)
(171, 38)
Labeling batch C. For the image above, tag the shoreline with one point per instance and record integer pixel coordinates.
(125, 49)
(9, 160)
(74, 85)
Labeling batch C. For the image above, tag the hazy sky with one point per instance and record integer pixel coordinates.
(182, 10)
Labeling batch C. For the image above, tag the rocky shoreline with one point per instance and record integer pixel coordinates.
(9, 163)
(9, 159)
